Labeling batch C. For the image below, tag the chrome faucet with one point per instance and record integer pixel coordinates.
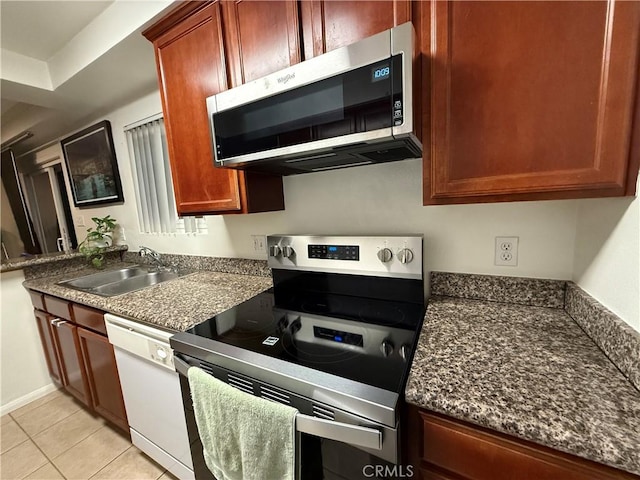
(152, 254)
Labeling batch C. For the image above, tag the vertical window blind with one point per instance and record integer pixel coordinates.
(149, 154)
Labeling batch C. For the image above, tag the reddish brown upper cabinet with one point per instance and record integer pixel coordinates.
(44, 322)
(530, 100)
(327, 25)
(442, 448)
(191, 66)
(260, 38)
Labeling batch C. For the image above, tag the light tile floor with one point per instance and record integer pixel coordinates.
(55, 438)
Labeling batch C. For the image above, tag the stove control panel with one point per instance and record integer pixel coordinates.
(334, 252)
(386, 256)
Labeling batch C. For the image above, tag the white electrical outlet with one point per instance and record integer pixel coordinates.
(80, 221)
(506, 251)
(123, 237)
(259, 243)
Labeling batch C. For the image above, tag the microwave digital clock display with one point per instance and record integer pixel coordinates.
(380, 72)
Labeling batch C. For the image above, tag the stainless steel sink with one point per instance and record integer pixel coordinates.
(117, 282)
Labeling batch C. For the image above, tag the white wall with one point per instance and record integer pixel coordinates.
(601, 236)
(366, 200)
(23, 370)
(387, 198)
(607, 254)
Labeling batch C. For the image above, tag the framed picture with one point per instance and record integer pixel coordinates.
(92, 166)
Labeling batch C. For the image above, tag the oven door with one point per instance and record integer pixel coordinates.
(338, 447)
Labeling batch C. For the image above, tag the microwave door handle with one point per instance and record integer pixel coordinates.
(343, 432)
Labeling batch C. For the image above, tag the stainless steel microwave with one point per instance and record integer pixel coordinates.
(351, 106)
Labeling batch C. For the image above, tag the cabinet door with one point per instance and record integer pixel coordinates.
(443, 448)
(327, 25)
(191, 67)
(102, 376)
(65, 336)
(530, 100)
(48, 346)
(260, 37)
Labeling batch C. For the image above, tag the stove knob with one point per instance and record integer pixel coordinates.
(288, 251)
(295, 326)
(405, 255)
(274, 251)
(385, 255)
(162, 354)
(386, 348)
(282, 325)
(405, 351)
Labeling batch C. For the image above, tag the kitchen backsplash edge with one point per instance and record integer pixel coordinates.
(524, 291)
(51, 266)
(619, 341)
(240, 266)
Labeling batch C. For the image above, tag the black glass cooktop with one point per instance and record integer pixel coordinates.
(337, 334)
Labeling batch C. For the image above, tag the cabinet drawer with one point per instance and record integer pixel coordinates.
(470, 453)
(37, 299)
(89, 317)
(58, 307)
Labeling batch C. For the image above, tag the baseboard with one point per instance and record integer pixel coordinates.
(28, 398)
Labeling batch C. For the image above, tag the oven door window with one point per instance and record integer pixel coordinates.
(356, 101)
(323, 459)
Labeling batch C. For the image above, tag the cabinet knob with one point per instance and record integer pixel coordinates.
(385, 255)
(405, 255)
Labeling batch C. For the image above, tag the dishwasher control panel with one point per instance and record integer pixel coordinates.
(161, 353)
(151, 344)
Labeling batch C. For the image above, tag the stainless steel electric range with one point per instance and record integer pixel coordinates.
(334, 338)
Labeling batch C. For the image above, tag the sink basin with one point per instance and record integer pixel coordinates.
(117, 282)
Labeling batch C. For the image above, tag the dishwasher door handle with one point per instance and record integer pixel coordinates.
(343, 432)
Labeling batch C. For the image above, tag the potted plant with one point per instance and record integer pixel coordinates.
(97, 240)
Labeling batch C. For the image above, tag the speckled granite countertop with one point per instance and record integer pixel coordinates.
(23, 262)
(175, 305)
(528, 371)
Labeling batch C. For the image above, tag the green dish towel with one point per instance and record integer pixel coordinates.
(243, 437)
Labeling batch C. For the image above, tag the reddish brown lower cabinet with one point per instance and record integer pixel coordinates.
(79, 356)
(102, 376)
(442, 448)
(65, 336)
(43, 320)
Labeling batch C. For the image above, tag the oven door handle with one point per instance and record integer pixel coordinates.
(342, 432)
(319, 427)
(181, 365)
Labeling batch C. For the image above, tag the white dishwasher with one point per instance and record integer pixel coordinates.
(151, 391)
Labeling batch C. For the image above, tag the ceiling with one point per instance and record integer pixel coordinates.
(21, 19)
(56, 76)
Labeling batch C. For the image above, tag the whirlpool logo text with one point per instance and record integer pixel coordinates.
(286, 78)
